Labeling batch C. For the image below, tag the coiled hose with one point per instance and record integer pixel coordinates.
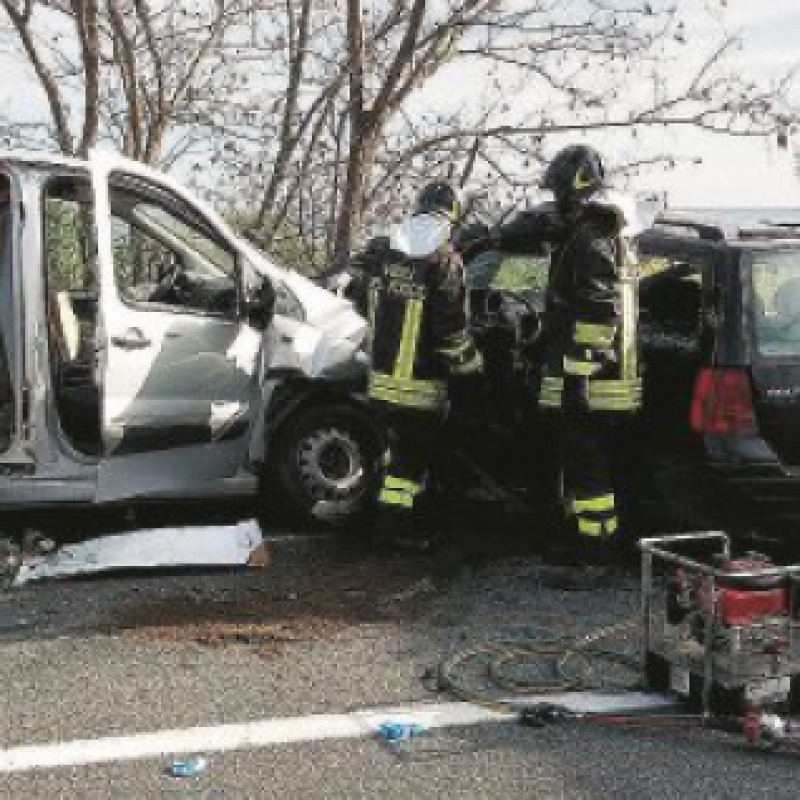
(570, 662)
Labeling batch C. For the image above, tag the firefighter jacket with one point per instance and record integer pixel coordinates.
(590, 319)
(416, 306)
(530, 232)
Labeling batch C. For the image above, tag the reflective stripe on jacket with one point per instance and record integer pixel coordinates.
(591, 318)
(416, 310)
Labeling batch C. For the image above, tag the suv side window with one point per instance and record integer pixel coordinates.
(165, 254)
(776, 307)
(670, 299)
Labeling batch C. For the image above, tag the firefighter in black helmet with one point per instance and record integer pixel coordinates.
(591, 373)
(420, 345)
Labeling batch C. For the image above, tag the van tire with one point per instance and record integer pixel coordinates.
(325, 465)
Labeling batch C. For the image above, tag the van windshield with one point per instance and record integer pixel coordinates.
(776, 306)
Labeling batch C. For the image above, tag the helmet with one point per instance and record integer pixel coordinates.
(439, 197)
(575, 173)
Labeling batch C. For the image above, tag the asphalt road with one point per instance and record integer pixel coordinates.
(329, 628)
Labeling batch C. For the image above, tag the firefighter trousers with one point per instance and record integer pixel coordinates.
(587, 457)
(415, 438)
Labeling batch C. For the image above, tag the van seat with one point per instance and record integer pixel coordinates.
(69, 326)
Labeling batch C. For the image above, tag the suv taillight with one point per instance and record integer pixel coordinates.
(723, 402)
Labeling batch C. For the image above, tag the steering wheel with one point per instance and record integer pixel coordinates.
(520, 298)
(168, 287)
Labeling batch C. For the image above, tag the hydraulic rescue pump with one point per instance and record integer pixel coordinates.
(720, 631)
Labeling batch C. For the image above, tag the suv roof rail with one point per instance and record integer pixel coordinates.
(703, 230)
(771, 230)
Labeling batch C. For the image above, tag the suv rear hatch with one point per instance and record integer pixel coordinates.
(773, 279)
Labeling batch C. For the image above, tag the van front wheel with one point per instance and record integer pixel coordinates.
(325, 462)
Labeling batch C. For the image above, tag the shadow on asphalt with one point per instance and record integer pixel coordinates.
(313, 587)
(74, 524)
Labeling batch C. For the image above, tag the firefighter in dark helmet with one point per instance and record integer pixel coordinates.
(416, 306)
(591, 372)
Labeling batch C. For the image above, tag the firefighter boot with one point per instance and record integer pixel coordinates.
(562, 548)
(401, 529)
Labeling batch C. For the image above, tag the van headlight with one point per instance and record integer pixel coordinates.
(286, 304)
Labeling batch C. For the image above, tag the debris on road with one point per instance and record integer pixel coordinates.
(393, 731)
(10, 561)
(189, 767)
(209, 546)
(36, 543)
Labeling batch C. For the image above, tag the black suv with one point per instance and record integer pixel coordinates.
(720, 334)
(717, 443)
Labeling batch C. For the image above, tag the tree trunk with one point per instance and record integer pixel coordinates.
(86, 12)
(288, 135)
(354, 177)
(360, 161)
(155, 140)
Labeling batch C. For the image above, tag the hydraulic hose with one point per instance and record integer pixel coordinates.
(569, 661)
(501, 657)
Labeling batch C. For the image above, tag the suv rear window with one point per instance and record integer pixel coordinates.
(776, 306)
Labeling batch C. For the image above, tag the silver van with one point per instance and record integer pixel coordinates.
(148, 351)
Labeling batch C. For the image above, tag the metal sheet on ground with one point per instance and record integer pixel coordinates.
(149, 548)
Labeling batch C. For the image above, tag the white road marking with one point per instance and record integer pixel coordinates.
(287, 730)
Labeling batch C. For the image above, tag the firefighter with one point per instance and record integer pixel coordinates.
(420, 349)
(591, 372)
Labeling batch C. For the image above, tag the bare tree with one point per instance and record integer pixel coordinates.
(608, 68)
(124, 70)
(83, 15)
(315, 120)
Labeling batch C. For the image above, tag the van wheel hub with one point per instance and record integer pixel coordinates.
(330, 464)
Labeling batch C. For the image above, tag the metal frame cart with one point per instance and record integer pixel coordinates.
(717, 630)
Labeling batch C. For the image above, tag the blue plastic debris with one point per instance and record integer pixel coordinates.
(400, 731)
(189, 767)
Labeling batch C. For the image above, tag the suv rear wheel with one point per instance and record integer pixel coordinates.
(325, 462)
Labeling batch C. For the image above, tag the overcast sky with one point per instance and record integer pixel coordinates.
(741, 172)
(735, 171)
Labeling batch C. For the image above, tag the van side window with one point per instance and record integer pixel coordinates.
(164, 255)
(670, 300)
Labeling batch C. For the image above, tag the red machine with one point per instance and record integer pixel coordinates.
(736, 601)
(719, 631)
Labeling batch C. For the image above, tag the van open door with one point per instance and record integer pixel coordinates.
(177, 361)
(15, 433)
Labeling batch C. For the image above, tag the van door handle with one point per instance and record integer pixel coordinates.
(132, 339)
